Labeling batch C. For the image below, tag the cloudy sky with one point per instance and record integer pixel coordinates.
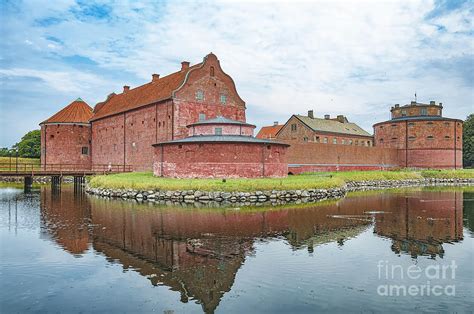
(336, 57)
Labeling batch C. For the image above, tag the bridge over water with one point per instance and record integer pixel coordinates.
(57, 171)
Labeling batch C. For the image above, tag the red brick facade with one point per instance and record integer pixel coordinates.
(428, 141)
(66, 144)
(296, 130)
(127, 138)
(221, 160)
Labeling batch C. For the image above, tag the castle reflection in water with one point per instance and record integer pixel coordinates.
(199, 251)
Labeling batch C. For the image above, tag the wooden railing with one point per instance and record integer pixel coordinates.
(13, 167)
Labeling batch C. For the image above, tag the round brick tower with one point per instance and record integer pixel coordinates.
(220, 148)
(66, 137)
(423, 137)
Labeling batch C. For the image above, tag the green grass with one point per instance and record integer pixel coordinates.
(320, 180)
(21, 160)
(7, 164)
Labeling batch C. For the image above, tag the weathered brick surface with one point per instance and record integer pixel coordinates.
(423, 143)
(188, 107)
(228, 129)
(220, 160)
(127, 138)
(302, 131)
(308, 157)
(62, 144)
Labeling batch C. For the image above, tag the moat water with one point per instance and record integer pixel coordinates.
(391, 251)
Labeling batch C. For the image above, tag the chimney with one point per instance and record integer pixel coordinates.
(155, 77)
(341, 118)
(275, 123)
(326, 116)
(184, 65)
(126, 88)
(310, 114)
(432, 102)
(397, 105)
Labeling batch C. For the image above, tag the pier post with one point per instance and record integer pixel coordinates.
(78, 182)
(56, 182)
(28, 181)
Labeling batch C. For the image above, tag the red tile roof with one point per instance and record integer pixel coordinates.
(143, 95)
(268, 132)
(76, 112)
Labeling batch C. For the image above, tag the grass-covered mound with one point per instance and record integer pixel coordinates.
(320, 180)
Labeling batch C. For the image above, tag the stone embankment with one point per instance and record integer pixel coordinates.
(274, 196)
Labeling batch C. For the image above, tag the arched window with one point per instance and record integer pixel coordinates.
(212, 71)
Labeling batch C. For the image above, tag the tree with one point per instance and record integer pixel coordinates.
(29, 145)
(4, 152)
(468, 142)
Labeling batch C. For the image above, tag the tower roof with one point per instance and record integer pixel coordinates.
(220, 120)
(76, 112)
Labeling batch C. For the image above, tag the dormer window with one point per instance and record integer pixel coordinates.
(199, 95)
(223, 99)
(202, 116)
(424, 111)
(404, 113)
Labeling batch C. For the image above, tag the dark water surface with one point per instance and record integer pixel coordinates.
(69, 252)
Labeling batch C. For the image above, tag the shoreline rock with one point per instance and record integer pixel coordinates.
(273, 197)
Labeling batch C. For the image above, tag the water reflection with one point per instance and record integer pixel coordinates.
(198, 252)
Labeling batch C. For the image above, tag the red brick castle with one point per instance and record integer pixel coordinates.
(192, 123)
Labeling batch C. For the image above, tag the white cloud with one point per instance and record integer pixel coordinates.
(349, 57)
(59, 81)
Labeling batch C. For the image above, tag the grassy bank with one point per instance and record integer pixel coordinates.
(322, 180)
(21, 160)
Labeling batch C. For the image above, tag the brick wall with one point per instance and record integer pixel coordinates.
(213, 84)
(63, 143)
(308, 157)
(423, 143)
(220, 160)
(302, 131)
(227, 129)
(133, 145)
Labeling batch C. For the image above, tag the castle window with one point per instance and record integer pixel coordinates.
(305, 139)
(381, 127)
(350, 142)
(223, 99)
(80, 126)
(269, 146)
(159, 124)
(446, 123)
(316, 139)
(404, 113)
(143, 121)
(325, 140)
(429, 123)
(334, 140)
(430, 137)
(394, 138)
(202, 116)
(212, 71)
(394, 125)
(115, 147)
(424, 111)
(411, 124)
(343, 142)
(411, 138)
(293, 127)
(51, 136)
(447, 137)
(200, 95)
(85, 150)
(369, 143)
(357, 142)
(381, 140)
(180, 146)
(218, 131)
